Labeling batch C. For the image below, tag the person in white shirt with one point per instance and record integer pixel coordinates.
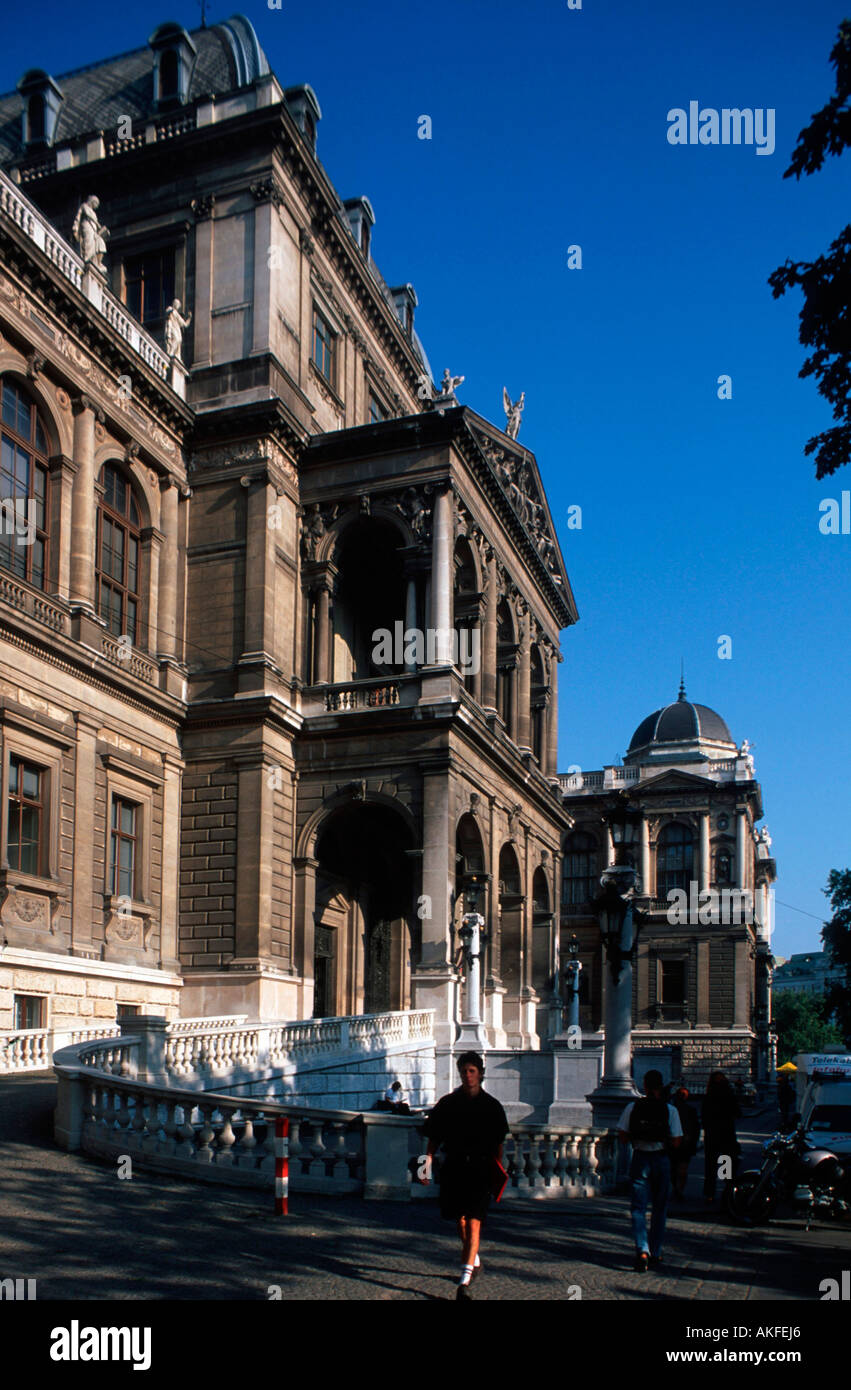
(654, 1130)
(396, 1099)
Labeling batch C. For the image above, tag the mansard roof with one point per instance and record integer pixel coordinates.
(96, 97)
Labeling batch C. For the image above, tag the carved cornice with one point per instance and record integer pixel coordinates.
(268, 190)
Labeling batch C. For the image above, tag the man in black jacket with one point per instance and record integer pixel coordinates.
(471, 1126)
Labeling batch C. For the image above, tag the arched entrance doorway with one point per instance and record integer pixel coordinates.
(364, 913)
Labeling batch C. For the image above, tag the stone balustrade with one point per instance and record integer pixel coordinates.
(17, 207)
(32, 1049)
(227, 1139)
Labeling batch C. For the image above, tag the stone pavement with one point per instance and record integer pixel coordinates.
(83, 1233)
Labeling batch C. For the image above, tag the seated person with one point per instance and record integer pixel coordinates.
(394, 1099)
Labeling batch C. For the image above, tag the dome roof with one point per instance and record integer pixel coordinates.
(681, 722)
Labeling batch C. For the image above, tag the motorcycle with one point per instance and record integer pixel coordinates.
(813, 1180)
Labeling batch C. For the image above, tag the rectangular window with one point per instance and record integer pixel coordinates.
(123, 841)
(127, 1011)
(323, 346)
(376, 410)
(26, 816)
(673, 987)
(149, 285)
(29, 1011)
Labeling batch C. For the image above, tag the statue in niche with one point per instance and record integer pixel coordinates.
(414, 508)
(312, 531)
(174, 326)
(513, 411)
(90, 234)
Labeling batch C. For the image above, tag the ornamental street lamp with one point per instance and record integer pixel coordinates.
(473, 939)
(620, 923)
(572, 972)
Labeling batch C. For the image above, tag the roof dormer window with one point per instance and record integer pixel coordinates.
(304, 109)
(405, 301)
(361, 221)
(174, 58)
(42, 103)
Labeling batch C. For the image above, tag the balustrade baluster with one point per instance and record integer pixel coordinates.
(139, 1121)
(227, 1139)
(521, 1160)
(168, 1141)
(186, 1146)
(534, 1165)
(548, 1159)
(296, 1147)
(561, 1168)
(245, 1150)
(573, 1161)
(340, 1168)
(204, 1153)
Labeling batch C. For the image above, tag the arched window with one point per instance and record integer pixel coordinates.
(23, 486)
(674, 859)
(579, 877)
(118, 546)
(506, 661)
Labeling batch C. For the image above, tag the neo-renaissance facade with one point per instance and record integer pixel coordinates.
(236, 470)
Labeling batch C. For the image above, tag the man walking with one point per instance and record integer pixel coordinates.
(471, 1126)
(652, 1127)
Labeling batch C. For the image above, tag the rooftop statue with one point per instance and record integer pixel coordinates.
(449, 383)
(514, 412)
(174, 326)
(90, 234)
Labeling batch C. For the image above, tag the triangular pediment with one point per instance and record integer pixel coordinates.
(516, 470)
(676, 780)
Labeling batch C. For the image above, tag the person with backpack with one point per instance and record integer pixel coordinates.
(653, 1129)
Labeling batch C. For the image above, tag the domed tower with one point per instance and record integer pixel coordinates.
(702, 965)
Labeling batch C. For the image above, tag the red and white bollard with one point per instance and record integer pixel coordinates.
(282, 1167)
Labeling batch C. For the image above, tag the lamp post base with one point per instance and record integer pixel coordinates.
(472, 1037)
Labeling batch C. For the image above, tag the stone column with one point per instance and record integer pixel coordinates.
(742, 868)
(705, 859)
(411, 615)
(63, 470)
(82, 893)
(152, 541)
(552, 717)
(433, 980)
(489, 643)
(322, 672)
(201, 318)
(259, 602)
(166, 636)
(523, 682)
(645, 856)
(169, 912)
(441, 578)
(82, 576)
(702, 983)
(261, 308)
(741, 983)
(305, 926)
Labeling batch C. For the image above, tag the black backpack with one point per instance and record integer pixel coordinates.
(649, 1122)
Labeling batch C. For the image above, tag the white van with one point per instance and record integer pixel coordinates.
(826, 1103)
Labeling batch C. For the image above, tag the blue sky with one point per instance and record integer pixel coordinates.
(700, 516)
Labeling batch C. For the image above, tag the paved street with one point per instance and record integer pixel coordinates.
(72, 1225)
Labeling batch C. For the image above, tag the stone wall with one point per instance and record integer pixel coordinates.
(77, 1000)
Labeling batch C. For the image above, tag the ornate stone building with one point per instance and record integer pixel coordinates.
(219, 795)
(701, 991)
